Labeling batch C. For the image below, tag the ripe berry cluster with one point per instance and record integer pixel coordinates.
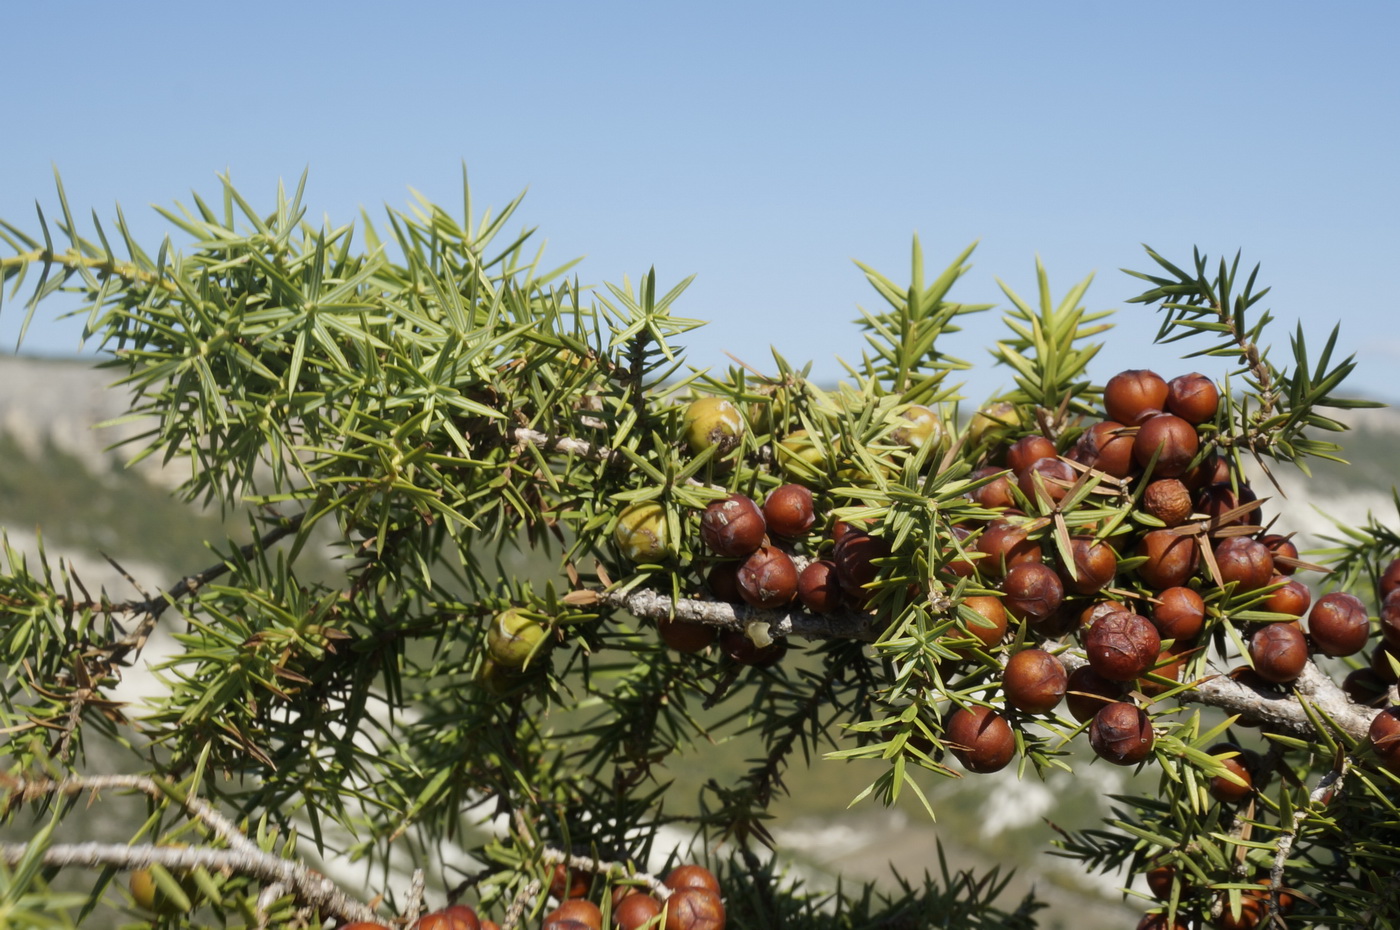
(1147, 450)
(1251, 913)
(1147, 596)
(456, 917)
(773, 555)
(1103, 559)
(754, 548)
(693, 902)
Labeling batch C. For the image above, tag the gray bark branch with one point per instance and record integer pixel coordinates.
(243, 857)
(1281, 708)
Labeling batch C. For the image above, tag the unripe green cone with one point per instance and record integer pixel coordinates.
(513, 638)
(917, 425)
(497, 679)
(150, 893)
(641, 532)
(800, 459)
(713, 421)
(991, 423)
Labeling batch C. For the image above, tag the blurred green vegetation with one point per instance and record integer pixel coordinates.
(1371, 448)
(96, 508)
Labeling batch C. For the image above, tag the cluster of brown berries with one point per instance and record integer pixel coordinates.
(456, 917)
(1139, 636)
(1151, 428)
(755, 564)
(1196, 547)
(767, 555)
(1253, 904)
(1371, 686)
(694, 902)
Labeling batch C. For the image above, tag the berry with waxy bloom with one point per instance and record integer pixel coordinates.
(1278, 651)
(1107, 447)
(1034, 681)
(1179, 614)
(1121, 733)
(1244, 561)
(980, 738)
(1134, 395)
(1171, 439)
(788, 510)
(768, 578)
(1122, 646)
(1193, 397)
(818, 587)
(732, 526)
(1171, 559)
(1338, 625)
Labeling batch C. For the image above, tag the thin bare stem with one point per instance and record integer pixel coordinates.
(311, 888)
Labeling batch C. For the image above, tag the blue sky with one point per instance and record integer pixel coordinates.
(762, 147)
